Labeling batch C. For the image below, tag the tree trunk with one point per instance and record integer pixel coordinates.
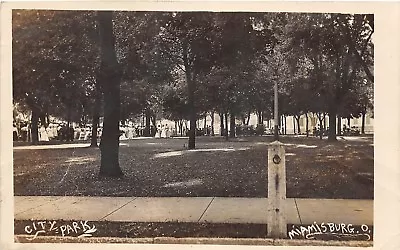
(34, 126)
(277, 128)
(205, 122)
(96, 116)
(153, 120)
(226, 126)
(212, 123)
(191, 102)
(307, 130)
(259, 117)
(339, 126)
(232, 126)
(110, 80)
(95, 121)
(147, 115)
(248, 119)
(285, 127)
(324, 119)
(222, 127)
(181, 128)
(348, 122)
(332, 124)
(294, 125)
(298, 124)
(68, 131)
(43, 119)
(192, 129)
(320, 119)
(262, 118)
(47, 120)
(363, 123)
(176, 128)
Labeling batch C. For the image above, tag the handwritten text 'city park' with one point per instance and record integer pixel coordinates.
(330, 230)
(79, 228)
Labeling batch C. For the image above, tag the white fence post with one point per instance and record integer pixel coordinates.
(277, 227)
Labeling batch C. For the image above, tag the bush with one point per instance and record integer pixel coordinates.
(260, 129)
(245, 130)
(200, 132)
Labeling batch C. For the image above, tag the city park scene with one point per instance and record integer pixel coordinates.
(169, 108)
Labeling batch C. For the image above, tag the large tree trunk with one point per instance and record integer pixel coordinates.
(96, 116)
(191, 102)
(110, 81)
(332, 124)
(232, 133)
(34, 126)
(212, 123)
(307, 129)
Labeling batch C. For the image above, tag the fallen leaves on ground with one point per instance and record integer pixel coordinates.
(317, 170)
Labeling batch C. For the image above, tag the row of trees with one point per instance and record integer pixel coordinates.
(183, 65)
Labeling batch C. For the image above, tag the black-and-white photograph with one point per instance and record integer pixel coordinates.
(193, 127)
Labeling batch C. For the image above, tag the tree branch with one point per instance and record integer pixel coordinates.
(359, 56)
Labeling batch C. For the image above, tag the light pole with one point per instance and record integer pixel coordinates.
(276, 120)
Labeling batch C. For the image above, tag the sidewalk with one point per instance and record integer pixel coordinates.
(189, 209)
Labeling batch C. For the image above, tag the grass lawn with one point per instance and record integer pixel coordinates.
(237, 168)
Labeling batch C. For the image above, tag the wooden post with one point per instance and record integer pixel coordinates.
(276, 227)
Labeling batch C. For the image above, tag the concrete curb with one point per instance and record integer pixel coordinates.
(191, 241)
